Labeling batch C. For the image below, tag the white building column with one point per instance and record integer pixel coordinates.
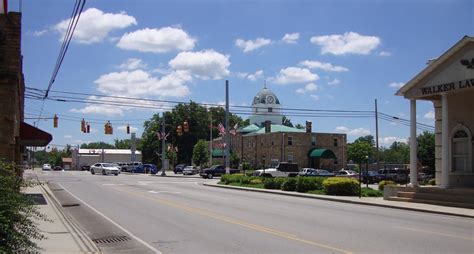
(444, 142)
(413, 145)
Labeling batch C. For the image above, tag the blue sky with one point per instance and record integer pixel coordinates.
(312, 54)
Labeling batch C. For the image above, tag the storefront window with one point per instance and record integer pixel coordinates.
(461, 151)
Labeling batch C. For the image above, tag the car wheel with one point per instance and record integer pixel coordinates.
(103, 172)
(209, 176)
(92, 171)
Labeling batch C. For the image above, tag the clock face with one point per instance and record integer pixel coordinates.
(270, 99)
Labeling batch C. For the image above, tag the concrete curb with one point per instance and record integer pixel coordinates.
(329, 198)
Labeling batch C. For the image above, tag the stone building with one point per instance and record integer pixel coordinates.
(15, 134)
(266, 141)
(448, 82)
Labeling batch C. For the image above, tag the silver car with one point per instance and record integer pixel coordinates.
(190, 170)
(104, 168)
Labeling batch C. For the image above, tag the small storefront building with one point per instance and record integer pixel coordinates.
(448, 82)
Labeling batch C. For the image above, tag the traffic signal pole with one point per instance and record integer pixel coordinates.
(227, 138)
(163, 150)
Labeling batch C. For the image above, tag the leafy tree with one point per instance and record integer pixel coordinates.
(234, 160)
(426, 149)
(398, 152)
(18, 214)
(359, 151)
(368, 139)
(97, 145)
(200, 153)
(287, 122)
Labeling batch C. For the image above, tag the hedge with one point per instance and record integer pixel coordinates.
(305, 184)
(289, 184)
(341, 186)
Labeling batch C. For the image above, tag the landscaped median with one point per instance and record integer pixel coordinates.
(336, 186)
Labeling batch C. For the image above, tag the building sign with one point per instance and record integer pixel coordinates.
(448, 87)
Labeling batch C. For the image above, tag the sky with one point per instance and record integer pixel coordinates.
(312, 54)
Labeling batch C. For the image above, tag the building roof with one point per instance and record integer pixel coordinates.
(275, 128)
(435, 64)
(263, 95)
(249, 128)
(107, 151)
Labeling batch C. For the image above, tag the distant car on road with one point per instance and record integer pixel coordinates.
(146, 169)
(371, 177)
(315, 172)
(58, 168)
(190, 170)
(216, 170)
(282, 169)
(347, 173)
(179, 168)
(46, 167)
(104, 168)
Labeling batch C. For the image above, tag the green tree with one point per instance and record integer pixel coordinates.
(426, 149)
(398, 152)
(358, 152)
(200, 153)
(97, 145)
(18, 214)
(234, 160)
(368, 139)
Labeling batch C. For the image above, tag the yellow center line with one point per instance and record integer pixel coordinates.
(437, 233)
(202, 212)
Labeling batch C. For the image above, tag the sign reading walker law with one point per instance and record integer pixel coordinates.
(448, 87)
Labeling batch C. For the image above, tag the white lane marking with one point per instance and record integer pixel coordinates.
(156, 192)
(113, 184)
(113, 222)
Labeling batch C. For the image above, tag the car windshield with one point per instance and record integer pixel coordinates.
(108, 165)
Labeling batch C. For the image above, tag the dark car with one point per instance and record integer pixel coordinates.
(398, 175)
(58, 168)
(216, 170)
(178, 169)
(85, 167)
(371, 177)
(146, 169)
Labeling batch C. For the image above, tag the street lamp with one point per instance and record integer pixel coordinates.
(367, 170)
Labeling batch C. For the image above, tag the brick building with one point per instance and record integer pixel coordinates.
(15, 134)
(264, 141)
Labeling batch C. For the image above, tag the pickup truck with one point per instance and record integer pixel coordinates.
(283, 169)
(216, 170)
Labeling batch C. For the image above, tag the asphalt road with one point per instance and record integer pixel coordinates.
(178, 215)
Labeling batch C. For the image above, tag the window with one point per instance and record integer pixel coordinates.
(290, 158)
(335, 141)
(290, 140)
(461, 151)
(335, 161)
(272, 143)
(270, 110)
(313, 140)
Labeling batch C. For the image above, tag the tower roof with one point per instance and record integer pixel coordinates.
(265, 96)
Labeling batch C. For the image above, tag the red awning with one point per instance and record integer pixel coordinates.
(32, 136)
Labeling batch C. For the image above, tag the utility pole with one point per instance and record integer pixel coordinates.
(210, 139)
(377, 135)
(163, 149)
(227, 162)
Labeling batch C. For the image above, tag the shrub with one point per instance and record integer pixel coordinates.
(228, 178)
(256, 181)
(305, 184)
(289, 184)
(368, 192)
(432, 182)
(247, 179)
(385, 182)
(341, 186)
(271, 183)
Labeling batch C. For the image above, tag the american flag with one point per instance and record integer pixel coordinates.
(234, 130)
(221, 129)
(162, 135)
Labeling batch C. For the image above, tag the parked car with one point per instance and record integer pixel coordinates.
(282, 169)
(347, 173)
(46, 167)
(104, 168)
(85, 167)
(398, 175)
(315, 172)
(371, 177)
(117, 166)
(130, 166)
(146, 169)
(58, 168)
(190, 170)
(179, 168)
(216, 170)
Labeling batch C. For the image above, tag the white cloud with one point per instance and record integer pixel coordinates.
(161, 40)
(124, 128)
(347, 43)
(107, 110)
(40, 33)
(311, 87)
(291, 38)
(94, 25)
(295, 75)
(140, 83)
(323, 66)
(430, 115)
(132, 64)
(389, 140)
(68, 136)
(207, 64)
(314, 97)
(334, 82)
(353, 132)
(385, 53)
(252, 77)
(396, 84)
(250, 45)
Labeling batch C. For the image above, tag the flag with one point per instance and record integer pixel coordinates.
(221, 129)
(3, 6)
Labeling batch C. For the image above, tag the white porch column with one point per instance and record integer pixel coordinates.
(413, 145)
(444, 142)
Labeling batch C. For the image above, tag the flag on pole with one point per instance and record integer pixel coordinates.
(3, 6)
(221, 129)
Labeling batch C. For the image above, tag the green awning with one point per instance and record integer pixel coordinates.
(217, 153)
(322, 153)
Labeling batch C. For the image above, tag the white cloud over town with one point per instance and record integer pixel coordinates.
(132, 64)
(251, 76)
(293, 75)
(352, 132)
(163, 40)
(385, 53)
(291, 38)
(94, 25)
(387, 141)
(334, 82)
(430, 115)
(323, 66)
(311, 87)
(207, 64)
(347, 43)
(249, 45)
(396, 84)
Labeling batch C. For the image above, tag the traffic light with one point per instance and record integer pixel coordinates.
(186, 126)
(55, 121)
(88, 129)
(128, 129)
(108, 128)
(179, 130)
(83, 125)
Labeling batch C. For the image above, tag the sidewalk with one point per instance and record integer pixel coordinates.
(62, 234)
(380, 202)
